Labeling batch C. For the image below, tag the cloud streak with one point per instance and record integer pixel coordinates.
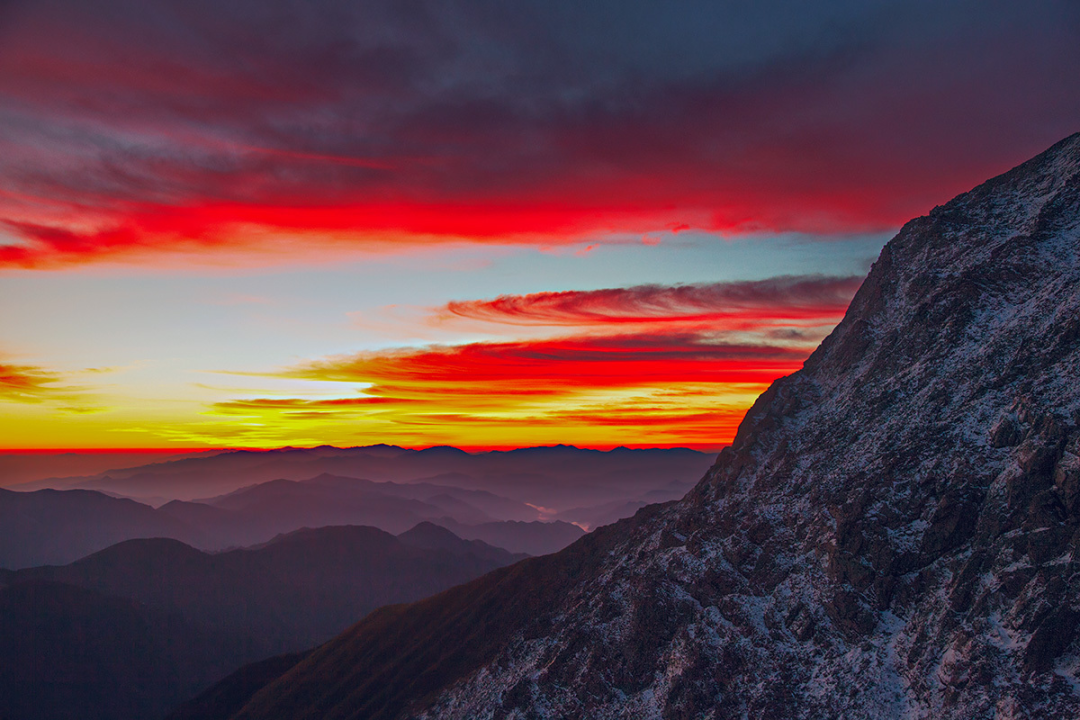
(750, 304)
(33, 384)
(671, 365)
(27, 383)
(541, 367)
(662, 389)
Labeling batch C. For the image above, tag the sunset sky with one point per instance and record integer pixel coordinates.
(256, 224)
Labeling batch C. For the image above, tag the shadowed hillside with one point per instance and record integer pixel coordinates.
(130, 631)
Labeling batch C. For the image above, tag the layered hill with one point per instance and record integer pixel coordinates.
(132, 630)
(531, 538)
(559, 477)
(892, 534)
(289, 594)
(55, 527)
(256, 513)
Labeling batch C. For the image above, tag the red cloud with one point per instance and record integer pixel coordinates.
(755, 302)
(297, 230)
(194, 129)
(26, 383)
(546, 367)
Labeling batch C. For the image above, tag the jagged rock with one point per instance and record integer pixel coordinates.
(892, 534)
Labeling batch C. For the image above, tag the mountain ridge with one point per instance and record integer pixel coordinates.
(131, 631)
(56, 527)
(559, 476)
(296, 590)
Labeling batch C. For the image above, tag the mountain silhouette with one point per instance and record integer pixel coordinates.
(132, 630)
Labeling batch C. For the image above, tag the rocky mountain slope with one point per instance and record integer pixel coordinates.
(893, 533)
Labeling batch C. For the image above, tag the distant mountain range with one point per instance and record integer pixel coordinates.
(130, 631)
(51, 527)
(27, 467)
(554, 478)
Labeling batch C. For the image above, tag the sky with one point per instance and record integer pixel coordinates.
(258, 224)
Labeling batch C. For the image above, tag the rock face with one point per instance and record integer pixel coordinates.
(895, 532)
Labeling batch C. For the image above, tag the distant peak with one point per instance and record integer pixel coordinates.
(429, 530)
(441, 449)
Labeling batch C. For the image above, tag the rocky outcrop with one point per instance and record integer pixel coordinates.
(894, 532)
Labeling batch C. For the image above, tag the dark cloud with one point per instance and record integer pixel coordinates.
(623, 116)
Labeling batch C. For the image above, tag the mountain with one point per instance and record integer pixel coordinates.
(232, 693)
(891, 535)
(51, 527)
(327, 493)
(289, 594)
(531, 538)
(592, 517)
(47, 467)
(254, 514)
(285, 505)
(54, 527)
(129, 632)
(558, 477)
(436, 537)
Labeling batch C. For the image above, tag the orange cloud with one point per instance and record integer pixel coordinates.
(545, 367)
(35, 384)
(27, 383)
(659, 365)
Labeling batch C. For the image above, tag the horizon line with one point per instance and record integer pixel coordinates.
(471, 449)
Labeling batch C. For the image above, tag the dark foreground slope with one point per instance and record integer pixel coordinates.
(229, 695)
(71, 653)
(891, 535)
